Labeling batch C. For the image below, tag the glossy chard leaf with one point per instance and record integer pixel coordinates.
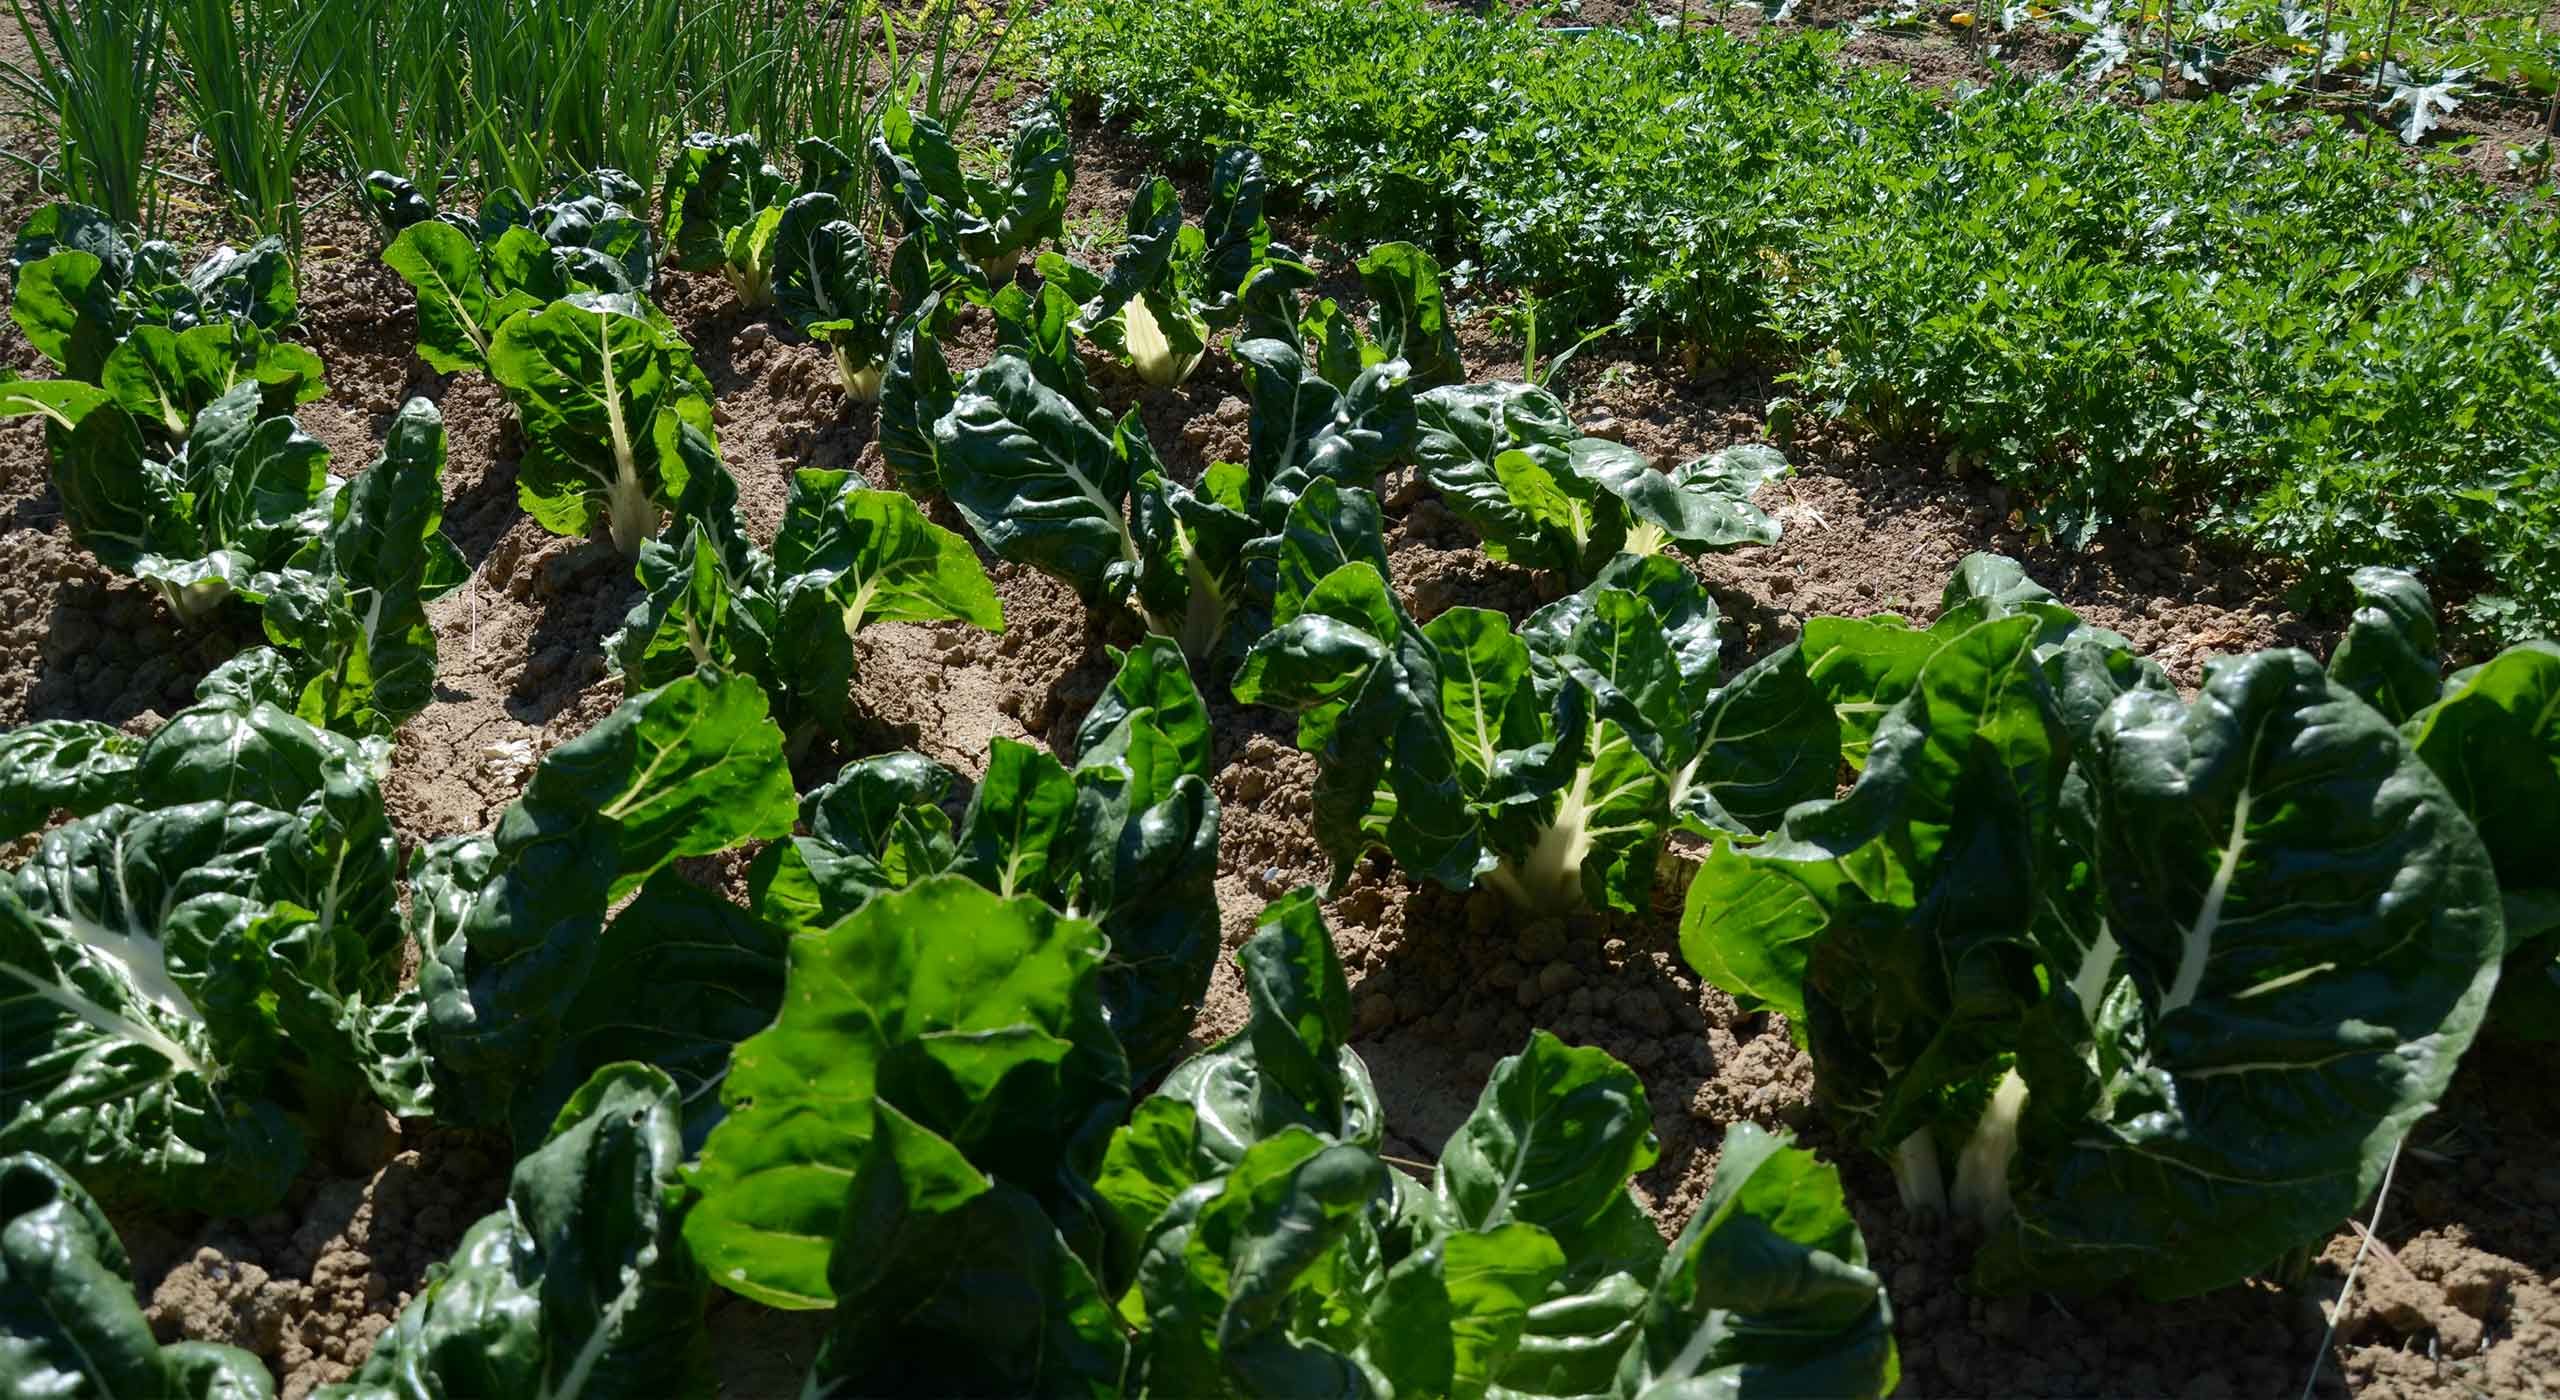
(2301, 933)
(83, 291)
(994, 1044)
(609, 403)
(1897, 924)
(1552, 1142)
(2494, 741)
(845, 557)
(950, 1282)
(69, 1324)
(1029, 202)
(62, 765)
(1292, 1066)
(1229, 1271)
(1038, 482)
(1506, 458)
(1407, 316)
(2388, 656)
(463, 294)
(825, 281)
(1767, 1289)
(1367, 686)
(581, 1284)
(352, 602)
(194, 981)
(916, 389)
(509, 923)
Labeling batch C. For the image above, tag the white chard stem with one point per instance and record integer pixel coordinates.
(1982, 1170)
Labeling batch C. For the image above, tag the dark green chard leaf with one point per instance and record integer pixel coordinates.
(581, 1285)
(1029, 203)
(608, 401)
(2300, 936)
(1894, 924)
(1407, 315)
(950, 1282)
(916, 389)
(66, 765)
(1038, 482)
(2494, 741)
(2388, 656)
(1292, 1066)
(995, 1044)
(353, 601)
(84, 293)
(1767, 1289)
(462, 297)
(1043, 329)
(510, 922)
(197, 979)
(1506, 458)
(825, 281)
(845, 557)
(68, 1321)
(1552, 1142)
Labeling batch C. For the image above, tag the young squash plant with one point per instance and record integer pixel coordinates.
(723, 206)
(200, 971)
(2153, 974)
(119, 313)
(1506, 458)
(1549, 762)
(845, 557)
(471, 275)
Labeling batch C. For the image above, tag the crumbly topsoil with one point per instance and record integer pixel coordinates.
(2455, 1296)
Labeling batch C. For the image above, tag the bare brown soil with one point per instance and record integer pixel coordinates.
(2455, 1297)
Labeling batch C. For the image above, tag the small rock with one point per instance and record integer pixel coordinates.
(754, 338)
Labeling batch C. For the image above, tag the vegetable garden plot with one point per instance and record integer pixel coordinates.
(680, 963)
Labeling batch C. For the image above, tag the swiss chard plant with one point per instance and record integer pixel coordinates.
(349, 608)
(1173, 284)
(470, 275)
(844, 558)
(2491, 732)
(723, 206)
(68, 1310)
(1044, 478)
(1126, 836)
(122, 314)
(915, 1135)
(2168, 982)
(200, 971)
(826, 282)
(1279, 1254)
(1550, 761)
(1506, 458)
(553, 945)
(241, 495)
(967, 228)
(617, 417)
(580, 1285)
